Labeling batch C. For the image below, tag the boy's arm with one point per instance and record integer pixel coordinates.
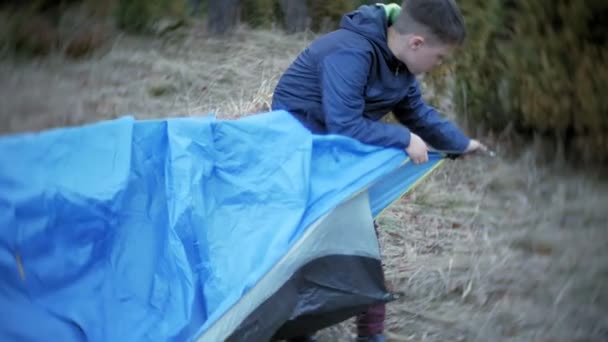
(425, 121)
(343, 76)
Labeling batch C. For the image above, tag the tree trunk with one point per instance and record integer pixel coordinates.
(223, 16)
(295, 14)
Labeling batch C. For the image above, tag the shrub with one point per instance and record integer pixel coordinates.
(540, 65)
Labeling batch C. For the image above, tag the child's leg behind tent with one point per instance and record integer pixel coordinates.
(371, 322)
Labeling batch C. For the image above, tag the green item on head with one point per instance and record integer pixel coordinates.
(392, 12)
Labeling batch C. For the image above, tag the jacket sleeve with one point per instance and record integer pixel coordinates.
(343, 77)
(426, 122)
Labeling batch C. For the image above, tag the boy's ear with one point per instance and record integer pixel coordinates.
(416, 42)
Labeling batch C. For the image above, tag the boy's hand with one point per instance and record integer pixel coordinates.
(417, 150)
(475, 146)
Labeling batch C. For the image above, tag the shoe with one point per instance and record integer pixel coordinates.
(372, 338)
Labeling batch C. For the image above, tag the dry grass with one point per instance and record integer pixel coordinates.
(185, 73)
(496, 250)
(509, 251)
(484, 250)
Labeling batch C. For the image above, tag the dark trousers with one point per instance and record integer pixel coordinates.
(371, 322)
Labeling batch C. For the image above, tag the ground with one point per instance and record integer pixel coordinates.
(485, 249)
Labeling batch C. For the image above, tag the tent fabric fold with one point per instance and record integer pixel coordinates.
(190, 229)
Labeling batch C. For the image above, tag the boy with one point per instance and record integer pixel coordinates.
(347, 80)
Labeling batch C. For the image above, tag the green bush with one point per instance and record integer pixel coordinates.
(259, 13)
(138, 15)
(324, 15)
(132, 15)
(540, 65)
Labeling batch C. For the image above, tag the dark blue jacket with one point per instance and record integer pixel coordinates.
(345, 81)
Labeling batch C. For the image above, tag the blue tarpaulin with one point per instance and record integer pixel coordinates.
(132, 230)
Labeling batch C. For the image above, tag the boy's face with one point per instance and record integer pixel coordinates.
(421, 56)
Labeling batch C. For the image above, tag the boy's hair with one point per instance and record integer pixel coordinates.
(440, 18)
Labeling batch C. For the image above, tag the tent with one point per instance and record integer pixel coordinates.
(191, 229)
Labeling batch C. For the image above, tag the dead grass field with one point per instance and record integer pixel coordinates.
(483, 250)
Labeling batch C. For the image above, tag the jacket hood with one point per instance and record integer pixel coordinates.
(372, 22)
